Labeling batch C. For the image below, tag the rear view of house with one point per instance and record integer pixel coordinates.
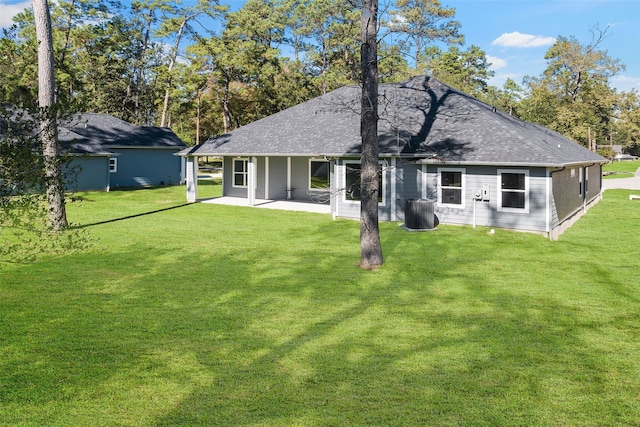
(111, 153)
(473, 163)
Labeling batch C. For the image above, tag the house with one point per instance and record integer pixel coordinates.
(109, 153)
(476, 165)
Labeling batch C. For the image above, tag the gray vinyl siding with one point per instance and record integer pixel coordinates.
(567, 195)
(351, 209)
(86, 173)
(146, 167)
(487, 213)
(346, 209)
(566, 192)
(227, 170)
(409, 185)
(595, 181)
(413, 183)
(416, 181)
(261, 183)
(277, 178)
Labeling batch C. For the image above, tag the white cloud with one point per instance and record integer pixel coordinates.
(8, 11)
(496, 63)
(517, 39)
(626, 83)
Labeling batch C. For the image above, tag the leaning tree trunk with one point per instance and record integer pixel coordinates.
(48, 126)
(174, 55)
(370, 249)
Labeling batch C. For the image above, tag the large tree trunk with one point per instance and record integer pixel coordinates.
(174, 55)
(370, 249)
(226, 112)
(48, 125)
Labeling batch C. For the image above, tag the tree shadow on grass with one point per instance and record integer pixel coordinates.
(129, 217)
(275, 326)
(348, 347)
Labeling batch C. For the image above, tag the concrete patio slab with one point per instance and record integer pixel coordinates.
(286, 205)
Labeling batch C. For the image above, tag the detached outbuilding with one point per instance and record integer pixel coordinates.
(478, 165)
(109, 153)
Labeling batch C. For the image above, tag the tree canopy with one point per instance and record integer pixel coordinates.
(204, 70)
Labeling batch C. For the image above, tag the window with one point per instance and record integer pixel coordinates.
(240, 172)
(514, 190)
(451, 187)
(352, 182)
(113, 164)
(318, 175)
(586, 180)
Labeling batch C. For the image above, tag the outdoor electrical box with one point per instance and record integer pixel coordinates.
(485, 193)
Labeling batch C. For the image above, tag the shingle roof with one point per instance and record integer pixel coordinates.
(90, 133)
(420, 118)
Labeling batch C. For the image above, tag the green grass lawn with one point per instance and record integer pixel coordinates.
(213, 315)
(624, 169)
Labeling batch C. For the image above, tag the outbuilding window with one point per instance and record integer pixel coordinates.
(451, 187)
(113, 164)
(514, 190)
(240, 172)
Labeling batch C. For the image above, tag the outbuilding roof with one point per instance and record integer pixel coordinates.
(100, 134)
(420, 118)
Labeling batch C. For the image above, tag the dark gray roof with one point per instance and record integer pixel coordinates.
(420, 118)
(101, 134)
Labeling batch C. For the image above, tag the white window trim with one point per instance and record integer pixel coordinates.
(525, 172)
(585, 186)
(344, 181)
(233, 172)
(463, 178)
(113, 164)
(320, 190)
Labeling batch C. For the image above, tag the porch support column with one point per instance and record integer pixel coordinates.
(266, 178)
(289, 194)
(251, 181)
(192, 179)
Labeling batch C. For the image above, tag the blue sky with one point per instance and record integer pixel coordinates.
(515, 34)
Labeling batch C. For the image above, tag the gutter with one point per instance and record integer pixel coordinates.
(417, 159)
(504, 164)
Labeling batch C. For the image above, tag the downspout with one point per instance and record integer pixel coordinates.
(424, 185)
(266, 178)
(108, 174)
(393, 189)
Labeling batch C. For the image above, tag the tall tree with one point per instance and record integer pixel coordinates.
(627, 129)
(332, 30)
(48, 113)
(180, 25)
(370, 248)
(573, 96)
(467, 71)
(139, 89)
(422, 22)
